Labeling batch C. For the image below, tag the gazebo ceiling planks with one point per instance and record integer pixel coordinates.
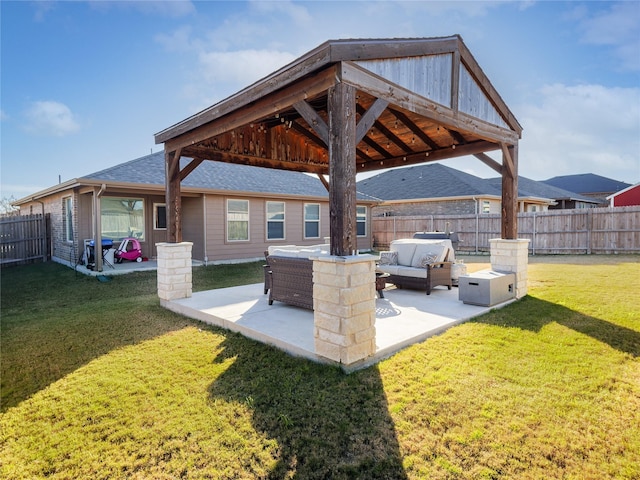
(416, 101)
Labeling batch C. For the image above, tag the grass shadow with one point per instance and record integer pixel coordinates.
(533, 314)
(54, 321)
(327, 424)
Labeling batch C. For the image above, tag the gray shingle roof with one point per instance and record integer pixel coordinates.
(425, 181)
(439, 181)
(587, 183)
(215, 176)
(533, 188)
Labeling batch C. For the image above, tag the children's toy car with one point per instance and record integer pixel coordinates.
(129, 249)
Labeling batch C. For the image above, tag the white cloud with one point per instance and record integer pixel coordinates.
(617, 27)
(581, 129)
(243, 66)
(51, 118)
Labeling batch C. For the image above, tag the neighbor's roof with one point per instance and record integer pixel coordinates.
(533, 188)
(425, 181)
(587, 183)
(440, 181)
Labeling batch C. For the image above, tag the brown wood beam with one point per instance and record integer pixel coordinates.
(509, 227)
(378, 148)
(429, 156)
(369, 118)
(324, 182)
(388, 133)
(262, 108)
(314, 120)
(426, 139)
(408, 100)
(309, 135)
(507, 160)
(490, 162)
(192, 165)
(342, 169)
(173, 200)
(207, 154)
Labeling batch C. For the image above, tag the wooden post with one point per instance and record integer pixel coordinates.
(342, 169)
(172, 196)
(509, 228)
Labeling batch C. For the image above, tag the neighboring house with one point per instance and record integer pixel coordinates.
(435, 189)
(589, 185)
(230, 212)
(562, 199)
(625, 198)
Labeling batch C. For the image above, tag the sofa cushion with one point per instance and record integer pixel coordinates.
(426, 259)
(411, 272)
(405, 248)
(388, 258)
(438, 250)
(391, 269)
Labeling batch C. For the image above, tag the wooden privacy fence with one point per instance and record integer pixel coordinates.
(594, 230)
(23, 239)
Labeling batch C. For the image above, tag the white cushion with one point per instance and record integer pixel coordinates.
(411, 272)
(273, 248)
(405, 248)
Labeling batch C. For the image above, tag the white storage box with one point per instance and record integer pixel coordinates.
(486, 288)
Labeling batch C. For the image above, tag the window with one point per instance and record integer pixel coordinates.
(275, 220)
(237, 220)
(486, 206)
(67, 218)
(159, 216)
(311, 220)
(122, 218)
(361, 221)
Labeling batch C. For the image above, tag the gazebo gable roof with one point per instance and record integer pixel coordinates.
(427, 98)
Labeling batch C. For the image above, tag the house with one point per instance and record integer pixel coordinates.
(588, 185)
(626, 197)
(436, 189)
(563, 199)
(230, 212)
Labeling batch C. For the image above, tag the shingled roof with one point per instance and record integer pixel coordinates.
(534, 188)
(440, 181)
(213, 176)
(425, 181)
(587, 183)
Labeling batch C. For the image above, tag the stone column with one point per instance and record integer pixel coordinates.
(511, 256)
(344, 302)
(174, 271)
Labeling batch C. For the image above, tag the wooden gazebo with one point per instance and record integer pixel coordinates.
(346, 107)
(353, 106)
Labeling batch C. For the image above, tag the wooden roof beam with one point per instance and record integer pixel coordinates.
(406, 121)
(408, 100)
(473, 148)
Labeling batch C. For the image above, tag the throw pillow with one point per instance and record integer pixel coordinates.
(388, 258)
(427, 259)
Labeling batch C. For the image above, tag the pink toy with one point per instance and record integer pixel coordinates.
(129, 249)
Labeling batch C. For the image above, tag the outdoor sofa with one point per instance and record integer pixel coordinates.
(289, 274)
(417, 263)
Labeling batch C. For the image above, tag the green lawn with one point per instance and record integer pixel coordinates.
(98, 381)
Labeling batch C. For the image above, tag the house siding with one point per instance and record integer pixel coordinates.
(448, 207)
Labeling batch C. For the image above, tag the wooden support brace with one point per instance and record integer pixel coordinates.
(193, 164)
(324, 182)
(507, 161)
(368, 119)
(490, 162)
(314, 120)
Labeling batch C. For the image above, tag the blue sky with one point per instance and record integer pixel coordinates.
(86, 84)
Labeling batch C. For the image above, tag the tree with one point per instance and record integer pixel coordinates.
(6, 207)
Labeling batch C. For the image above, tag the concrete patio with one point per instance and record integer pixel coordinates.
(403, 317)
